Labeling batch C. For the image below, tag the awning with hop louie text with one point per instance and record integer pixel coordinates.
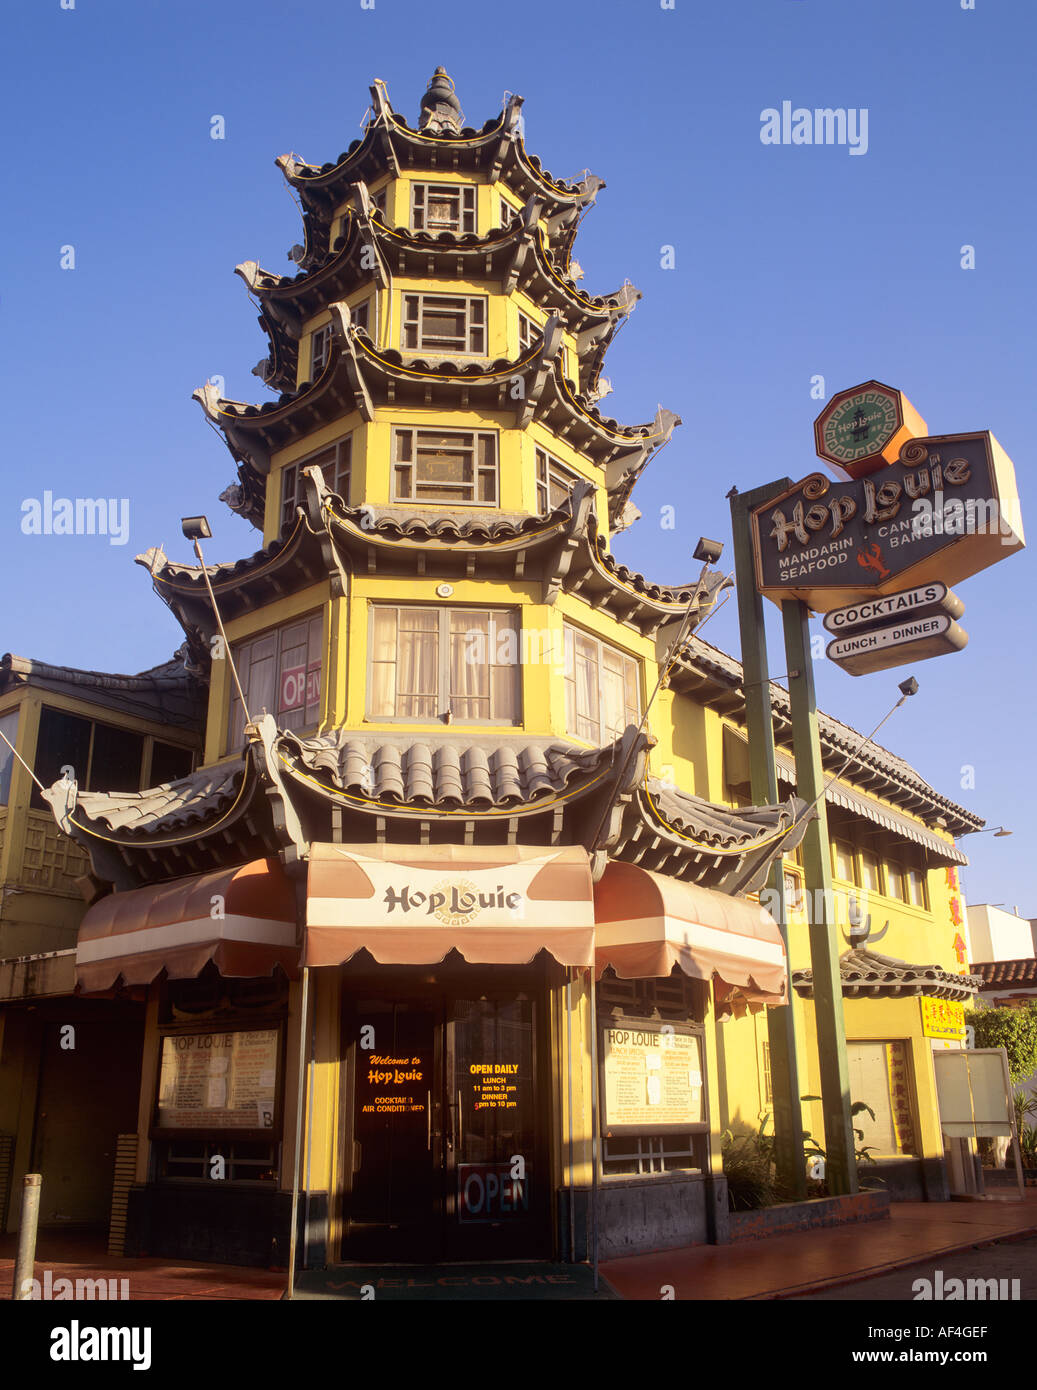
(243, 920)
(413, 904)
(647, 923)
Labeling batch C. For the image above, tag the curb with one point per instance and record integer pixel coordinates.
(858, 1276)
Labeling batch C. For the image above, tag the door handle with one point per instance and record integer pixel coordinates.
(356, 1154)
(460, 1123)
(428, 1108)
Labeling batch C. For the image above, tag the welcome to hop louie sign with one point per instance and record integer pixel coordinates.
(946, 509)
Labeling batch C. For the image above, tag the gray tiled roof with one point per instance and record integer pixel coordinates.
(188, 799)
(866, 974)
(435, 770)
(718, 825)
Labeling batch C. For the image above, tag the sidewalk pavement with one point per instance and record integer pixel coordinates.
(76, 1255)
(787, 1266)
(790, 1266)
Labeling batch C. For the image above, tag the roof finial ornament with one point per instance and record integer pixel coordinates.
(440, 109)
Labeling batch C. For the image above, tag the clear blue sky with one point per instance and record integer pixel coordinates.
(790, 262)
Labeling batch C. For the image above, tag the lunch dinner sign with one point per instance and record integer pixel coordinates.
(946, 509)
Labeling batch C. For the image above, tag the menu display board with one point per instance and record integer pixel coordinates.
(224, 1080)
(652, 1077)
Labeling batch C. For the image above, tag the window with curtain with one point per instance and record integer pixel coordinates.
(280, 673)
(871, 871)
(426, 663)
(601, 688)
(842, 861)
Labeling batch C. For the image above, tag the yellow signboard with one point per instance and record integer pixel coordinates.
(942, 1018)
(653, 1076)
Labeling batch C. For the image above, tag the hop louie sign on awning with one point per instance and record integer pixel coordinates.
(946, 509)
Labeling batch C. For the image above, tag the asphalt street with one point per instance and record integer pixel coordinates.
(1010, 1259)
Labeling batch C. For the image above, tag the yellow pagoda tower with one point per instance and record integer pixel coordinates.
(461, 885)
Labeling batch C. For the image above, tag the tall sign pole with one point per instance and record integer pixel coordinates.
(781, 1033)
(910, 513)
(841, 1167)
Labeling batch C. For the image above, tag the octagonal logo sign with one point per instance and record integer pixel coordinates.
(863, 429)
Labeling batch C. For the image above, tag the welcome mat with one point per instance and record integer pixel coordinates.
(448, 1283)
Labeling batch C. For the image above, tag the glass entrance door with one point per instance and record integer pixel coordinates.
(445, 1137)
(395, 1206)
(496, 1172)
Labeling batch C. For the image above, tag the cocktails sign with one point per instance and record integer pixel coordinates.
(945, 510)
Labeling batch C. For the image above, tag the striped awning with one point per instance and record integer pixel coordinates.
(413, 904)
(647, 923)
(243, 920)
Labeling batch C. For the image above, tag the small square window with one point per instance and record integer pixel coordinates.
(440, 323)
(443, 207)
(445, 466)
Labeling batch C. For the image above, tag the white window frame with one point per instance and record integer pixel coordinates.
(507, 212)
(410, 442)
(422, 195)
(501, 620)
(320, 349)
(529, 332)
(419, 312)
(287, 638)
(551, 471)
(603, 652)
(336, 463)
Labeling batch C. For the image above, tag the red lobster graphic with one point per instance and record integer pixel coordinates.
(872, 560)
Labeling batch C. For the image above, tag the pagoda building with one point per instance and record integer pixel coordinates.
(458, 892)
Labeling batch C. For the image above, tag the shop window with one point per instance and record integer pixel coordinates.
(554, 482)
(601, 688)
(653, 1102)
(320, 350)
(529, 333)
(103, 757)
(442, 207)
(194, 1159)
(280, 673)
(334, 462)
(430, 663)
(452, 466)
(9, 729)
(879, 1074)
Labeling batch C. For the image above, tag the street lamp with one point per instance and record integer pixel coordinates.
(998, 831)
